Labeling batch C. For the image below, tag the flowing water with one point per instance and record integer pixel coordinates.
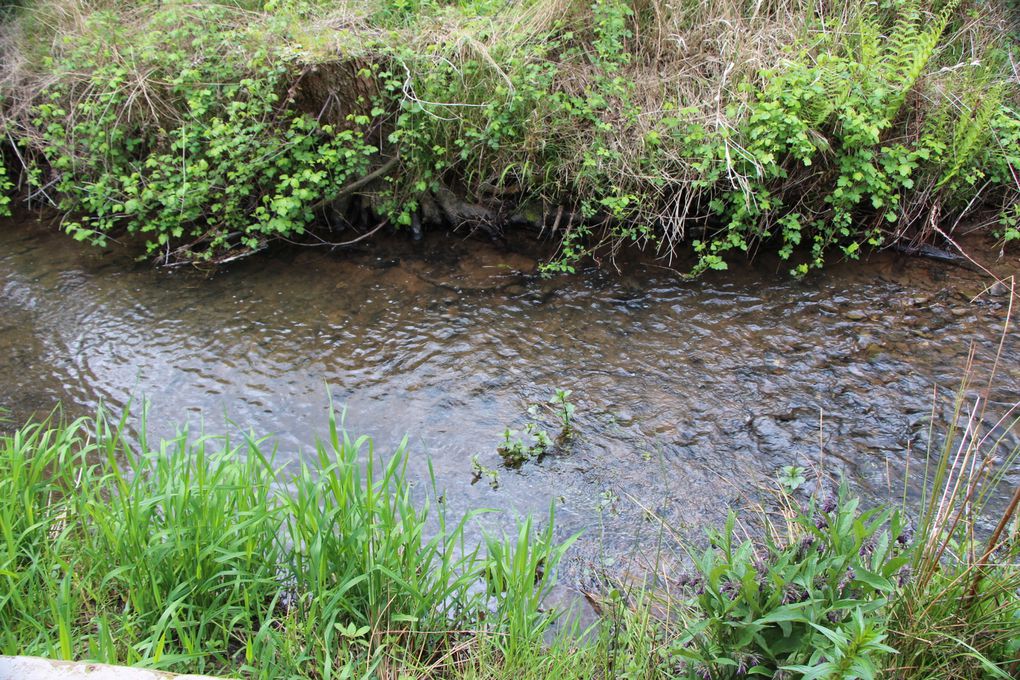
(687, 393)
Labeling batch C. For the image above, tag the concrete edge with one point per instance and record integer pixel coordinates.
(35, 668)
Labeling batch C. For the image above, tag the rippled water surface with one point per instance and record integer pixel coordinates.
(686, 393)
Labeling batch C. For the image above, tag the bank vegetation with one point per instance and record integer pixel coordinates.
(208, 130)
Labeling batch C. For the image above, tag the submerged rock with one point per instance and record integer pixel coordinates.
(999, 289)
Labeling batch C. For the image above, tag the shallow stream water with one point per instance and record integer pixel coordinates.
(688, 394)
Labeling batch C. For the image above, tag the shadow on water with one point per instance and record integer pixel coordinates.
(687, 394)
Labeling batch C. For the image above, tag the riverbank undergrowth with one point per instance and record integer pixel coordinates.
(211, 129)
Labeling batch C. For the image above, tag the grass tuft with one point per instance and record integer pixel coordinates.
(200, 555)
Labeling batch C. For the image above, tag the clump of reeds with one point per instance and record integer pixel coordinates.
(199, 554)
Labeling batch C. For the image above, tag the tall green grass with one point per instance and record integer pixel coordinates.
(199, 554)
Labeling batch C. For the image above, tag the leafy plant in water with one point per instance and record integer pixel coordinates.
(536, 441)
(564, 409)
(517, 451)
(481, 470)
(791, 477)
(607, 500)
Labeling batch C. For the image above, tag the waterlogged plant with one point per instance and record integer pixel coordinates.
(513, 449)
(564, 410)
(542, 440)
(516, 450)
(535, 441)
(791, 478)
(608, 500)
(560, 406)
(481, 470)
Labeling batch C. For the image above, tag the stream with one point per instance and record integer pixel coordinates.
(689, 395)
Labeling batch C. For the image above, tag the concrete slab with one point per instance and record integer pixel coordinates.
(34, 668)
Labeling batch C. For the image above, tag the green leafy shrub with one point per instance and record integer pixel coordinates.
(190, 123)
(811, 604)
(210, 158)
(6, 185)
(838, 109)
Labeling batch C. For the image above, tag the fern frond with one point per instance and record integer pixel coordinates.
(911, 44)
(972, 130)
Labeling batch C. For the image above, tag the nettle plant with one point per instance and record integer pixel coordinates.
(186, 136)
(807, 604)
